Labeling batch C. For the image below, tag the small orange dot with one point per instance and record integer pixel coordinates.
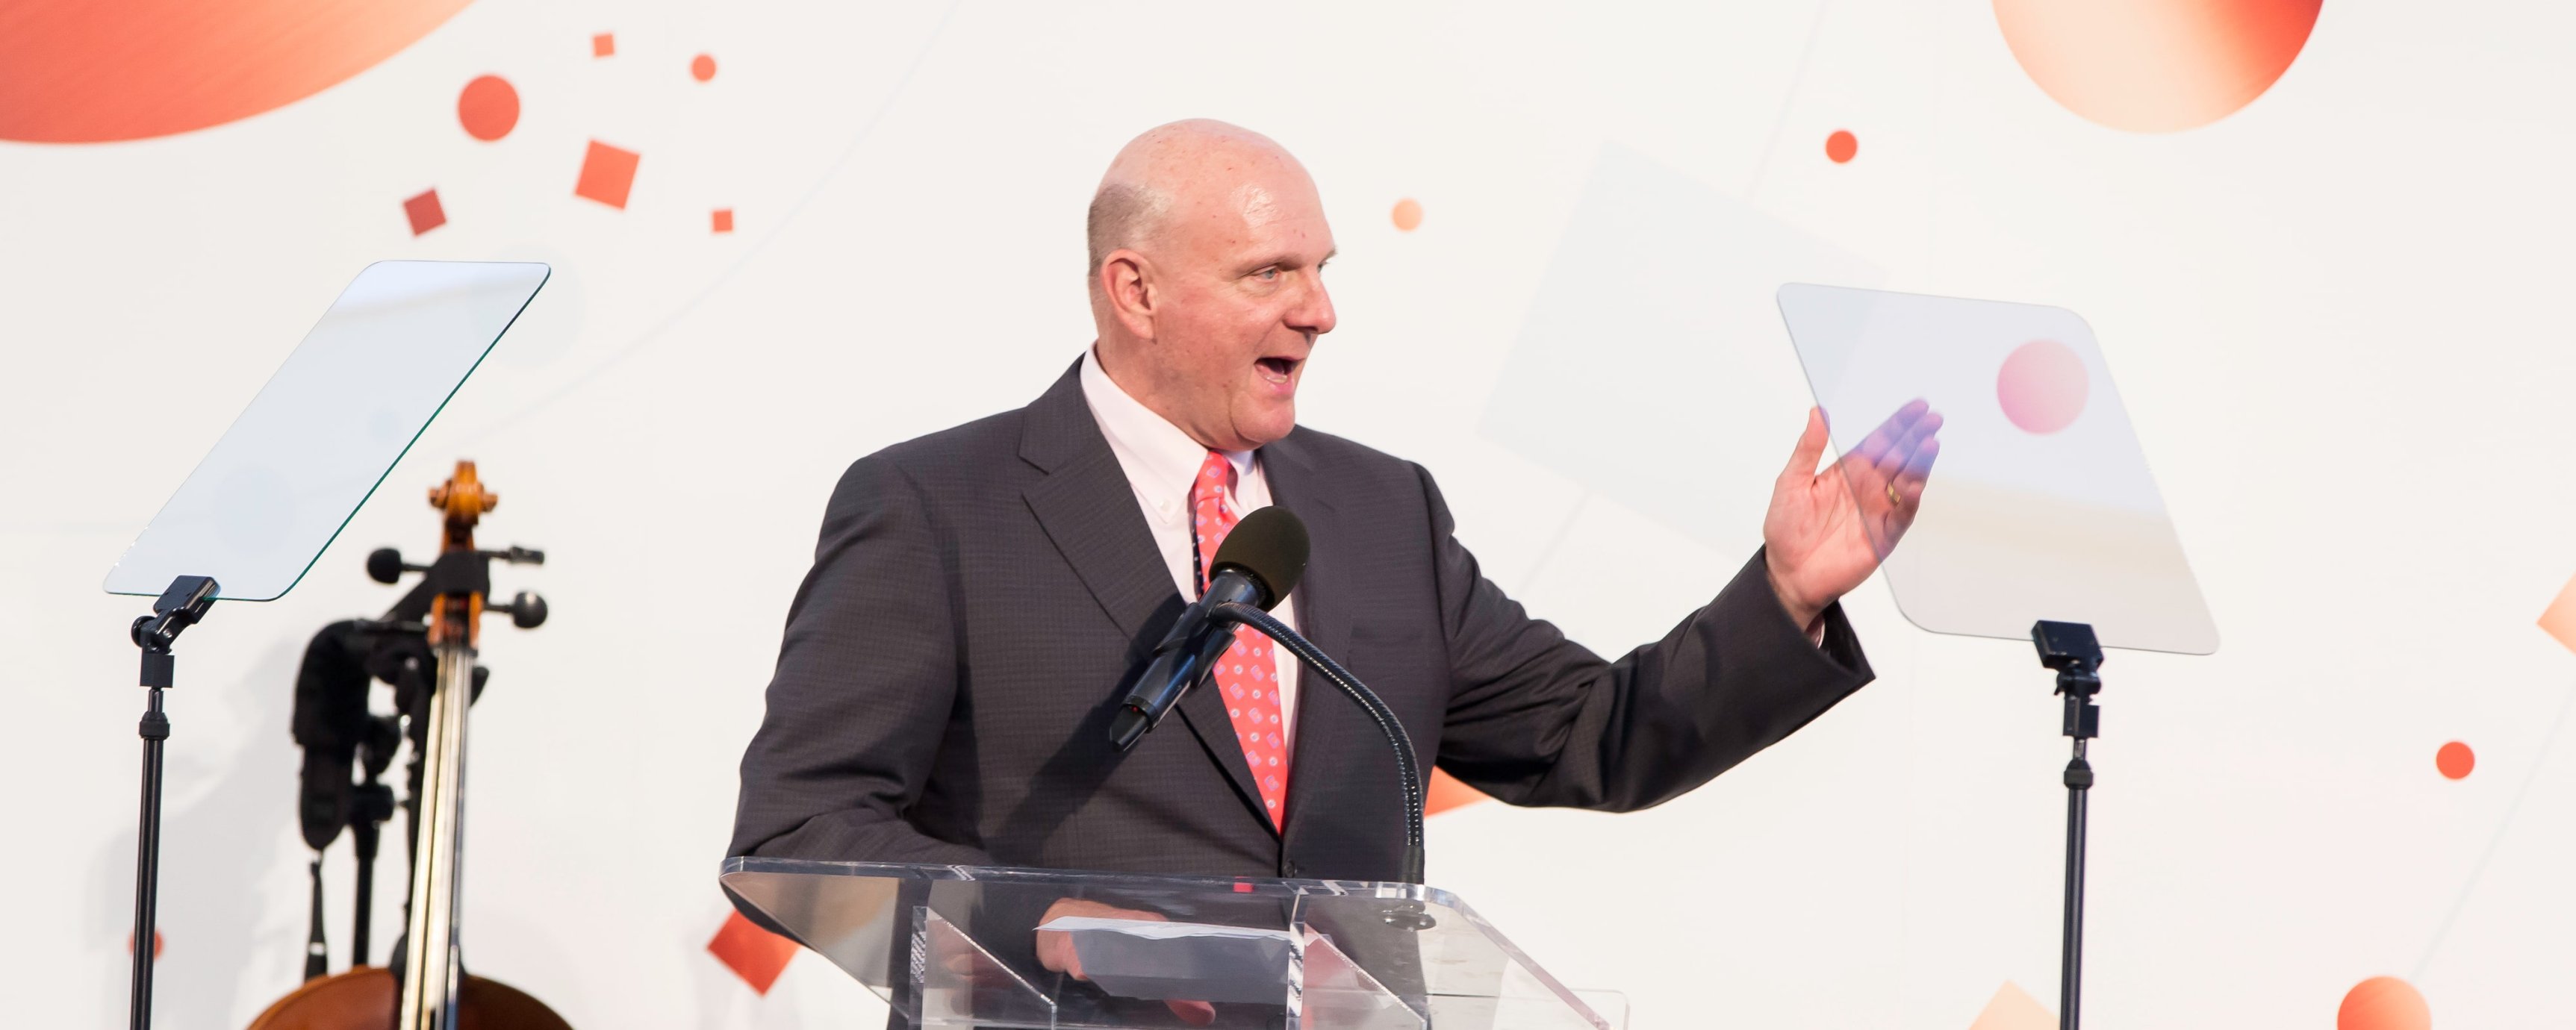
(1842, 146)
(489, 107)
(724, 219)
(703, 68)
(2455, 760)
(603, 45)
(2383, 1003)
(1408, 214)
(159, 944)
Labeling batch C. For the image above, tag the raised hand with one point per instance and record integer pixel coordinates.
(1828, 530)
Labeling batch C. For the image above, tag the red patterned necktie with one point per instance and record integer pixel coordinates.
(1246, 675)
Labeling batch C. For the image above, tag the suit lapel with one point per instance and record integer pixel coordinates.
(1088, 510)
(1326, 722)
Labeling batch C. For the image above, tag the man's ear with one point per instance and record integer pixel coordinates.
(1127, 279)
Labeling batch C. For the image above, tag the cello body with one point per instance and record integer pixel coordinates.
(363, 999)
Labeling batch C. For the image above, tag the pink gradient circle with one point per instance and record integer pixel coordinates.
(2155, 65)
(2383, 1003)
(2042, 386)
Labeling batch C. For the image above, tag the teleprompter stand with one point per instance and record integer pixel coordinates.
(187, 600)
(2070, 649)
(289, 472)
(2025, 520)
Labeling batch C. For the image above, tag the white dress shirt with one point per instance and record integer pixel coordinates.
(1161, 463)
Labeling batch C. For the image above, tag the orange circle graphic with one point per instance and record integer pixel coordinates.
(1842, 146)
(2155, 65)
(72, 71)
(2383, 1003)
(1408, 214)
(489, 108)
(702, 68)
(2455, 760)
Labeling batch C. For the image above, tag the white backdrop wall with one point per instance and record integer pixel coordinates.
(2335, 315)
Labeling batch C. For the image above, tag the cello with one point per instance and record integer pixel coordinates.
(433, 991)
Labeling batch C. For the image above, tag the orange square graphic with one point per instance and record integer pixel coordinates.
(424, 212)
(2559, 620)
(756, 955)
(724, 219)
(603, 45)
(2013, 1009)
(606, 174)
(1444, 792)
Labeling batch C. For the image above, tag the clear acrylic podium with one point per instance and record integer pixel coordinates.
(955, 946)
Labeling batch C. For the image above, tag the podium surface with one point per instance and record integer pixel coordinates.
(956, 946)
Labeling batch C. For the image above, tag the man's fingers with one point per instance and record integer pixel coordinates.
(1810, 449)
(1055, 951)
(1195, 1013)
(1889, 432)
(1919, 466)
(1902, 443)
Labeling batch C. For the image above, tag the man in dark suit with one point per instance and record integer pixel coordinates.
(979, 595)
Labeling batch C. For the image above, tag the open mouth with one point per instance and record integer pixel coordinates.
(1277, 370)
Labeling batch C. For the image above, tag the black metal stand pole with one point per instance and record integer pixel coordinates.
(364, 918)
(317, 945)
(373, 804)
(155, 728)
(178, 608)
(2070, 648)
(2079, 780)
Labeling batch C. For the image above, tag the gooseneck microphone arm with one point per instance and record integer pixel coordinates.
(1256, 566)
(1408, 770)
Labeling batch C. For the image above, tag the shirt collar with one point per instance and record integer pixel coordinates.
(1154, 452)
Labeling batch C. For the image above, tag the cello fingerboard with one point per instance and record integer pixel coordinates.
(430, 958)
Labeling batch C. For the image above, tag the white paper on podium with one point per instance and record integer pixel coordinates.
(1164, 930)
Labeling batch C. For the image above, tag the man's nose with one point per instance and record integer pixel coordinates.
(1314, 312)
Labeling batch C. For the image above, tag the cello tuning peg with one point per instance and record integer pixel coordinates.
(385, 565)
(527, 610)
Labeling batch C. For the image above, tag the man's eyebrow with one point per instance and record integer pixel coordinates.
(1277, 260)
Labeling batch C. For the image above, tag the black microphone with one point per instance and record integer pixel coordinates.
(1258, 564)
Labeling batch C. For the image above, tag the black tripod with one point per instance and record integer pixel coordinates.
(2069, 648)
(178, 608)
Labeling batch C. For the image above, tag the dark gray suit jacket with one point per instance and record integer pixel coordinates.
(981, 594)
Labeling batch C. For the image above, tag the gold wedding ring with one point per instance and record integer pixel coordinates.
(1892, 497)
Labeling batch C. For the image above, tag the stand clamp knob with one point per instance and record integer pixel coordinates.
(526, 609)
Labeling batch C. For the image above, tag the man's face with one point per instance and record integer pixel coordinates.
(1240, 302)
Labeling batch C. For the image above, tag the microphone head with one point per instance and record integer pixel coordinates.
(1269, 545)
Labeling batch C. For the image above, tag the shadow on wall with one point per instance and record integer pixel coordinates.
(227, 819)
(1655, 321)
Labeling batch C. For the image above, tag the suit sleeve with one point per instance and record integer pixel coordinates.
(863, 689)
(1536, 719)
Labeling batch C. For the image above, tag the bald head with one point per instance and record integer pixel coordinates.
(1136, 195)
(1207, 244)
